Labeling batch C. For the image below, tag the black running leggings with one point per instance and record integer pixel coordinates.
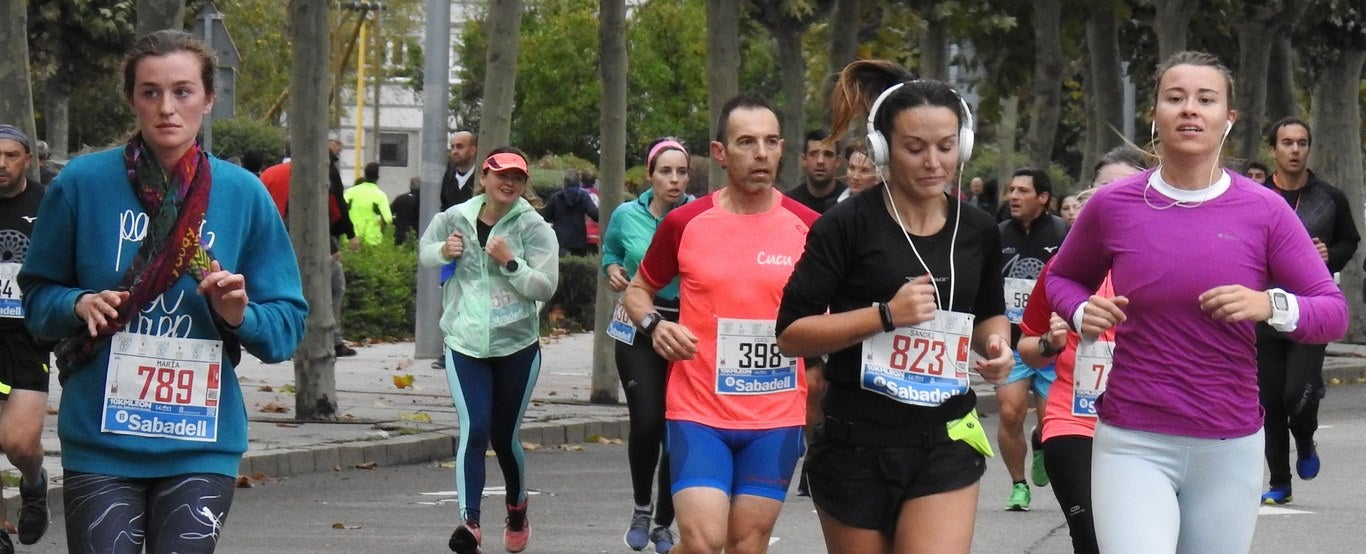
(122, 515)
(1290, 379)
(1067, 459)
(643, 374)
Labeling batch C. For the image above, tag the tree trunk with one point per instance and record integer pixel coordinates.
(1090, 151)
(934, 51)
(315, 361)
(1337, 156)
(155, 15)
(611, 183)
(1254, 56)
(57, 118)
(793, 110)
(428, 338)
(1006, 131)
(1281, 100)
(1172, 24)
(500, 82)
(1107, 77)
(1047, 87)
(723, 68)
(844, 27)
(16, 104)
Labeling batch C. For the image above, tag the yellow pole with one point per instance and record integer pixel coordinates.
(360, 94)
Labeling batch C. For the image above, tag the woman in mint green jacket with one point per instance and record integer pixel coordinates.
(507, 265)
(642, 370)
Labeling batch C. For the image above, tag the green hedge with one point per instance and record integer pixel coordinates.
(381, 298)
(381, 302)
(576, 294)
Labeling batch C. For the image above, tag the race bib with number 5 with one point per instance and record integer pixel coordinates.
(921, 365)
(1017, 298)
(748, 360)
(1094, 360)
(163, 387)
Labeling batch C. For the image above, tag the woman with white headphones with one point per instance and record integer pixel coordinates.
(896, 285)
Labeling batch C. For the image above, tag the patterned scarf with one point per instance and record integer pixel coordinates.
(175, 205)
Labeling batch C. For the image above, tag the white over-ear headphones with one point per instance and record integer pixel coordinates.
(879, 150)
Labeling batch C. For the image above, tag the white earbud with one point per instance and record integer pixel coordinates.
(1228, 126)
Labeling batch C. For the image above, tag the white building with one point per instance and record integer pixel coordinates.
(397, 145)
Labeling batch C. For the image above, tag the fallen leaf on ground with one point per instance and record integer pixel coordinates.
(244, 482)
(605, 440)
(274, 408)
(367, 465)
(572, 447)
(446, 465)
(531, 446)
(51, 410)
(287, 388)
(403, 381)
(266, 388)
(420, 417)
(344, 526)
(287, 425)
(551, 393)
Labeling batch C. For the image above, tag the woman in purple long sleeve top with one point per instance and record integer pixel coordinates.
(1198, 256)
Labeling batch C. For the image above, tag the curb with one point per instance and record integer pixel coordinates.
(427, 446)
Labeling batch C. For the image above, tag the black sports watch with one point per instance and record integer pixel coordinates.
(649, 322)
(511, 266)
(1046, 348)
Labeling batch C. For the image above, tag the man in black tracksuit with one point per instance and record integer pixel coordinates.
(1290, 374)
(1028, 240)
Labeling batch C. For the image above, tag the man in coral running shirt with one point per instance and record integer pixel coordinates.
(735, 405)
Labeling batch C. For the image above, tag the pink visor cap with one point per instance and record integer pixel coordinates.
(505, 161)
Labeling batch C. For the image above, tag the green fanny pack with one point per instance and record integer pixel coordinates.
(969, 430)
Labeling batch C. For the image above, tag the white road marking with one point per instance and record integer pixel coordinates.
(1278, 511)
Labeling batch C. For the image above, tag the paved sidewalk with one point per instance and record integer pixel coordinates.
(386, 425)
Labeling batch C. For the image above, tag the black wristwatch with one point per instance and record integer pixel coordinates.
(1046, 348)
(511, 266)
(649, 322)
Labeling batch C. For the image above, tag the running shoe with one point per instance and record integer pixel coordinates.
(663, 539)
(1307, 466)
(6, 545)
(33, 514)
(1038, 471)
(518, 530)
(1277, 495)
(1019, 498)
(638, 534)
(466, 539)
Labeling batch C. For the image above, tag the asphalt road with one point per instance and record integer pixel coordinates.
(581, 504)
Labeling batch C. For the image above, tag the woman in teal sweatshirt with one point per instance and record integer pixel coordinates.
(159, 264)
(642, 370)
